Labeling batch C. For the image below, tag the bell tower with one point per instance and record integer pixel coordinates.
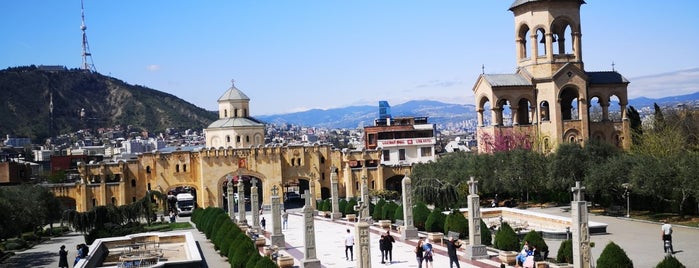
(547, 34)
(550, 99)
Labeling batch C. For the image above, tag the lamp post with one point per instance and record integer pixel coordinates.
(627, 194)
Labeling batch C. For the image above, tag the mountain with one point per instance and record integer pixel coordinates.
(354, 116)
(439, 113)
(26, 93)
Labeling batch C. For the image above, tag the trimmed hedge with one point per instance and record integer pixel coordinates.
(420, 214)
(350, 206)
(614, 256)
(342, 205)
(398, 215)
(486, 235)
(378, 210)
(435, 221)
(670, 262)
(506, 238)
(565, 252)
(535, 239)
(266, 263)
(389, 211)
(252, 261)
(456, 222)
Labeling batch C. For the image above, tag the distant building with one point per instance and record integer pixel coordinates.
(12, 169)
(134, 146)
(17, 142)
(234, 128)
(402, 140)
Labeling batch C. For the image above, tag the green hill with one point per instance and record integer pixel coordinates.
(25, 94)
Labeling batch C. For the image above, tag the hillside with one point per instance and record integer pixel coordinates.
(25, 94)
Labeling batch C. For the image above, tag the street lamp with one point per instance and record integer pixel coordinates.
(627, 194)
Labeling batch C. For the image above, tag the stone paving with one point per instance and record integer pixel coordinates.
(640, 240)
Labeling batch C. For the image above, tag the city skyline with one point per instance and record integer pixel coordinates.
(294, 56)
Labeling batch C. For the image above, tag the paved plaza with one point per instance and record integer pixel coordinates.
(640, 240)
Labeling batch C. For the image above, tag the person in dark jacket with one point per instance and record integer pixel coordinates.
(452, 247)
(388, 246)
(63, 257)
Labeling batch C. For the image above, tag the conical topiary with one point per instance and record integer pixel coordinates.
(486, 235)
(614, 256)
(670, 262)
(565, 252)
(506, 238)
(435, 221)
(378, 210)
(420, 214)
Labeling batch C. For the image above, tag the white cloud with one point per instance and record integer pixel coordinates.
(153, 67)
(665, 85)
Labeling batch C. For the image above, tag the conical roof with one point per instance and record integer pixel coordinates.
(233, 93)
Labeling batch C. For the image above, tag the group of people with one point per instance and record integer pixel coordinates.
(386, 246)
(528, 255)
(63, 255)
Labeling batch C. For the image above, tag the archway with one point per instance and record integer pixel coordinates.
(394, 184)
(179, 199)
(247, 190)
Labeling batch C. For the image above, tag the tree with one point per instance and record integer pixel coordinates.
(420, 214)
(435, 221)
(565, 252)
(378, 210)
(506, 238)
(435, 191)
(486, 235)
(456, 222)
(670, 262)
(567, 165)
(634, 123)
(613, 256)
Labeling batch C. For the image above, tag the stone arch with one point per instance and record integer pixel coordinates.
(524, 107)
(596, 109)
(484, 110)
(599, 136)
(175, 189)
(503, 111)
(539, 34)
(569, 99)
(544, 111)
(522, 44)
(222, 189)
(561, 27)
(393, 183)
(615, 106)
(66, 203)
(572, 136)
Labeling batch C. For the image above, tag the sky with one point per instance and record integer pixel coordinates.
(290, 56)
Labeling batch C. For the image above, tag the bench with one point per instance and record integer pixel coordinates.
(434, 237)
(398, 225)
(453, 234)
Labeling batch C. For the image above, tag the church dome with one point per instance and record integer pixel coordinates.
(233, 93)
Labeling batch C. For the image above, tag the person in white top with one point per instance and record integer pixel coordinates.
(667, 237)
(349, 244)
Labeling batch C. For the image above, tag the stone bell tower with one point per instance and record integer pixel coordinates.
(550, 99)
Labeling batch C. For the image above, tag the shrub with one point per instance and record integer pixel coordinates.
(378, 209)
(420, 214)
(670, 262)
(266, 263)
(252, 261)
(456, 222)
(15, 244)
(398, 215)
(389, 211)
(565, 252)
(227, 239)
(342, 205)
(241, 255)
(506, 238)
(435, 221)
(350, 206)
(237, 245)
(216, 230)
(29, 236)
(613, 256)
(327, 205)
(535, 239)
(486, 235)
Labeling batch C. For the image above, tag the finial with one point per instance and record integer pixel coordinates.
(482, 68)
(613, 66)
(232, 82)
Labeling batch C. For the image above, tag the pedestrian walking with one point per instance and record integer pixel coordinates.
(63, 257)
(349, 245)
(667, 237)
(285, 219)
(263, 223)
(419, 252)
(452, 247)
(388, 246)
(428, 257)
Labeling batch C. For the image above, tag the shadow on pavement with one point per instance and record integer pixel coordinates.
(203, 259)
(33, 259)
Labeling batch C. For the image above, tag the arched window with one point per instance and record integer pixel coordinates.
(148, 169)
(133, 183)
(184, 167)
(237, 139)
(114, 201)
(177, 168)
(544, 111)
(247, 139)
(228, 139)
(225, 113)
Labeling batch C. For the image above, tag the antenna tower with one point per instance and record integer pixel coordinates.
(87, 65)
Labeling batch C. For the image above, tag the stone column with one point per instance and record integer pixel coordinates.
(579, 228)
(364, 213)
(409, 231)
(336, 214)
(474, 250)
(242, 220)
(277, 235)
(361, 232)
(312, 186)
(309, 238)
(231, 198)
(254, 207)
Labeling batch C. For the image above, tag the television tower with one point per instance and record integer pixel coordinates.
(86, 66)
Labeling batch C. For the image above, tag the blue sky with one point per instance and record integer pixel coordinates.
(296, 55)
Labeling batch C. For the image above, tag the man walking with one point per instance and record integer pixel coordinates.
(349, 245)
(667, 237)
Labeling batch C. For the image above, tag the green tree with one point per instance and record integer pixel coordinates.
(635, 123)
(456, 222)
(565, 252)
(378, 210)
(567, 165)
(435, 221)
(614, 256)
(506, 238)
(486, 235)
(670, 262)
(420, 214)
(438, 192)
